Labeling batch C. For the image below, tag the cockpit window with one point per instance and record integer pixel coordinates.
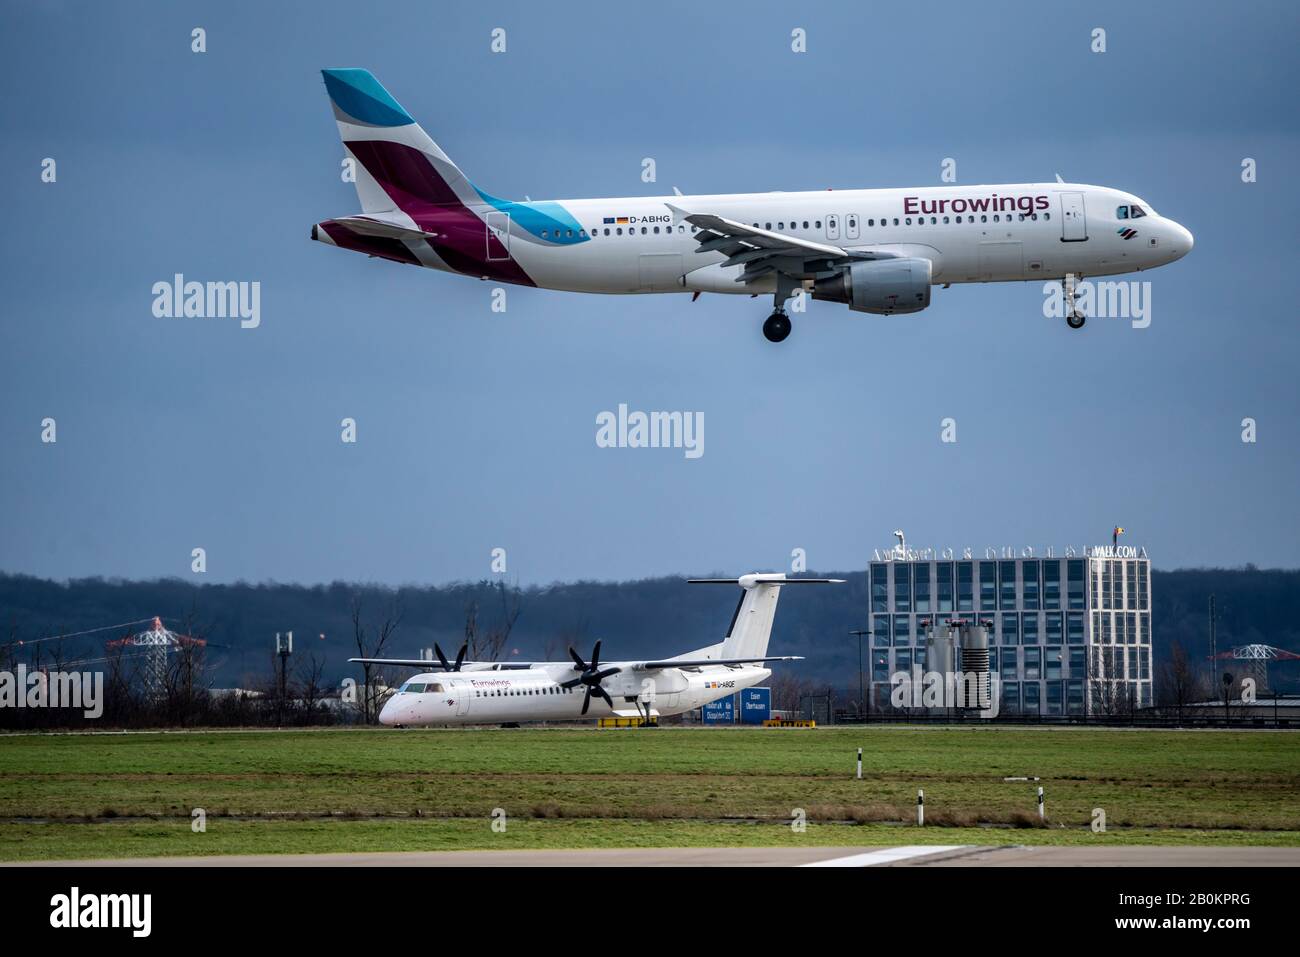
(412, 688)
(434, 688)
(1135, 211)
(1121, 213)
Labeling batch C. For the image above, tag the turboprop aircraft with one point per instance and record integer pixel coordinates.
(875, 250)
(486, 692)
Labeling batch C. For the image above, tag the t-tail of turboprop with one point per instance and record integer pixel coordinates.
(751, 625)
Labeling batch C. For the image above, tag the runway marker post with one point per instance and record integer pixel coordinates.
(859, 764)
(920, 807)
(1040, 804)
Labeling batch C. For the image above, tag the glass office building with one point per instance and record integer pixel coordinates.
(1068, 635)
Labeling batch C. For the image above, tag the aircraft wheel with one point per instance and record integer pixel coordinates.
(1075, 320)
(777, 327)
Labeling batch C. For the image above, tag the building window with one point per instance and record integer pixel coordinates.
(1074, 696)
(1051, 584)
(1007, 577)
(1029, 570)
(1144, 661)
(1074, 584)
(1074, 628)
(1010, 628)
(1054, 633)
(1033, 664)
(1029, 628)
(1078, 662)
(1032, 703)
(1009, 664)
(880, 666)
(902, 630)
(988, 586)
(880, 631)
(944, 587)
(965, 587)
(1052, 662)
(879, 588)
(1144, 637)
(921, 587)
(1053, 697)
(903, 661)
(1130, 627)
(902, 587)
(1142, 567)
(1010, 697)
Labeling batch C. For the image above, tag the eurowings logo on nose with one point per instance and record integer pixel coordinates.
(1128, 232)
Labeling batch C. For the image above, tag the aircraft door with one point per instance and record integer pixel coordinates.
(832, 226)
(851, 230)
(1074, 222)
(498, 236)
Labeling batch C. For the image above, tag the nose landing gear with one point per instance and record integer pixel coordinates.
(1074, 317)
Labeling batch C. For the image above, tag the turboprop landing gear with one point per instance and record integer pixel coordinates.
(777, 326)
(1073, 317)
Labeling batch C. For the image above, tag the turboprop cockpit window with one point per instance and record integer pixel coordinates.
(1121, 213)
(434, 688)
(1135, 211)
(412, 688)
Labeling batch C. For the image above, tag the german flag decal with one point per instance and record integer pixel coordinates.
(1128, 232)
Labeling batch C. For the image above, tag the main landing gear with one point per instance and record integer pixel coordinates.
(1073, 317)
(777, 326)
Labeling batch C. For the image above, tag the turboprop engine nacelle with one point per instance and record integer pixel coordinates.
(879, 286)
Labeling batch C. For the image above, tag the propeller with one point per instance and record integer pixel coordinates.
(591, 676)
(442, 659)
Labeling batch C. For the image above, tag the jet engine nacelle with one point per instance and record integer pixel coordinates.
(880, 286)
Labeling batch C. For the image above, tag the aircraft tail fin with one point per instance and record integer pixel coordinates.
(396, 164)
(751, 625)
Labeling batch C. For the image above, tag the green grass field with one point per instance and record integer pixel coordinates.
(368, 790)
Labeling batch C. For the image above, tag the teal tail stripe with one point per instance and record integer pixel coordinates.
(358, 94)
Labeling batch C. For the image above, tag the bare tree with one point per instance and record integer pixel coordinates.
(487, 644)
(311, 685)
(371, 643)
(1180, 684)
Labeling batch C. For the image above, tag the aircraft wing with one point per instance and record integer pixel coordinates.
(703, 662)
(424, 663)
(761, 251)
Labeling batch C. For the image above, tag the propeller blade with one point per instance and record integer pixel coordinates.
(602, 675)
(586, 702)
(577, 660)
(595, 656)
(460, 656)
(597, 689)
(442, 659)
(571, 684)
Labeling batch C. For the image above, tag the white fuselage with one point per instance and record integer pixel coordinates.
(1071, 229)
(506, 696)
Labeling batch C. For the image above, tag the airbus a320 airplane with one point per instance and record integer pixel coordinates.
(876, 250)
(485, 692)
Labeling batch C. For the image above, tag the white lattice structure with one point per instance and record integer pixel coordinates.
(158, 642)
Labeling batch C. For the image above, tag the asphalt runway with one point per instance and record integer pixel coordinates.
(966, 855)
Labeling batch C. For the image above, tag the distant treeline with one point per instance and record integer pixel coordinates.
(636, 619)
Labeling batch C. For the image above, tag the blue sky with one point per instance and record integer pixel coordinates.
(477, 429)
